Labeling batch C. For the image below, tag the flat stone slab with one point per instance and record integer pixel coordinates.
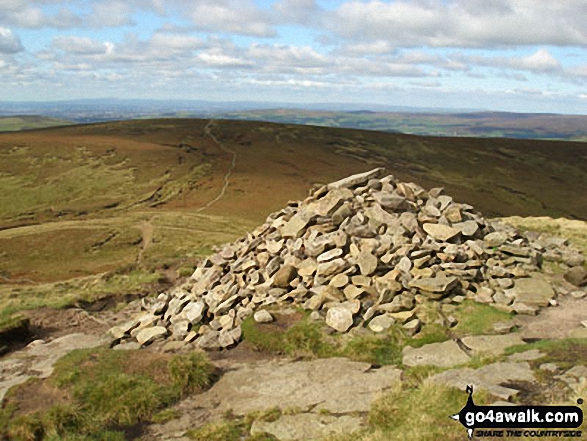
(531, 355)
(490, 378)
(532, 291)
(307, 426)
(337, 385)
(492, 344)
(38, 360)
(445, 354)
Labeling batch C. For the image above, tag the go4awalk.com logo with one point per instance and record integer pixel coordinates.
(520, 421)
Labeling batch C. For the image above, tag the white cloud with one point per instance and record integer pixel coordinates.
(110, 13)
(463, 23)
(541, 61)
(9, 43)
(79, 45)
(215, 58)
(231, 16)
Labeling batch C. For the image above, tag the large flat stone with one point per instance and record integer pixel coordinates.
(492, 344)
(445, 354)
(489, 377)
(436, 285)
(307, 426)
(337, 385)
(532, 291)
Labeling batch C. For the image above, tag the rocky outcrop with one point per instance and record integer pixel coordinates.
(356, 251)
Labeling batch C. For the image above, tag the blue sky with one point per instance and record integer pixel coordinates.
(513, 55)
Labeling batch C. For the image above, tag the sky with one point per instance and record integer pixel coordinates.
(511, 55)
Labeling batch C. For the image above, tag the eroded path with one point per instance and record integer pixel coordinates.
(231, 166)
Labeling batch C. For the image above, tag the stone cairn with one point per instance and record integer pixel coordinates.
(362, 250)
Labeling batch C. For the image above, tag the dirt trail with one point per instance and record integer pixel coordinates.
(228, 174)
(147, 230)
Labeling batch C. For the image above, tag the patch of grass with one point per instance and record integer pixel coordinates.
(108, 389)
(233, 428)
(190, 372)
(309, 339)
(415, 412)
(15, 298)
(304, 338)
(382, 350)
(476, 318)
(430, 333)
(565, 352)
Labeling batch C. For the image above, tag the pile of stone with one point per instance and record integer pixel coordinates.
(362, 250)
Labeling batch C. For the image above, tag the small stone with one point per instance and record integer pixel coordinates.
(194, 311)
(522, 308)
(504, 327)
(190, 337)
(147, 335)
(315, 316)
(330, 268)
(329, 255)
(284, 276)
(339, 281)
(440, 284)
(550, 367)
(413, 327)
(367, 263)
(130, 346)
(381, 323)
(225, 340)
(402, 316)
(210, 340)
(576, 275)
(440, 232)
(263, 316)
(340, 318)
(495, 239)
(578, 294)
(467, 228)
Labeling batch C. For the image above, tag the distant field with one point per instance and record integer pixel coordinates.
(481, 124)
(109, 209)
(25, 122)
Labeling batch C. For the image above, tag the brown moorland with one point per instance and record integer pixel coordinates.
(121, 206)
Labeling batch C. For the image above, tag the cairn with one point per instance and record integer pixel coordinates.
(363, 250)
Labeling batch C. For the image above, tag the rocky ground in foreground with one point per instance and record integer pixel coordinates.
(368, 266)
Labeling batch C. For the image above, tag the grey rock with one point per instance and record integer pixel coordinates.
(440, 232)
(468, 228)
(413, 326)
(307, 426)
(284, 276)
(381, 323)
(357, 179)
(147, 335)
(495, 239)
(263, 316)
(489, 377)
(194, 311)
(367, 263)
(576, 275)
(332, 267)
(339, 318)
(210, 340)
(491, 344)
(445, 354)
(440, 285)
(532, 291)
(504, 327)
